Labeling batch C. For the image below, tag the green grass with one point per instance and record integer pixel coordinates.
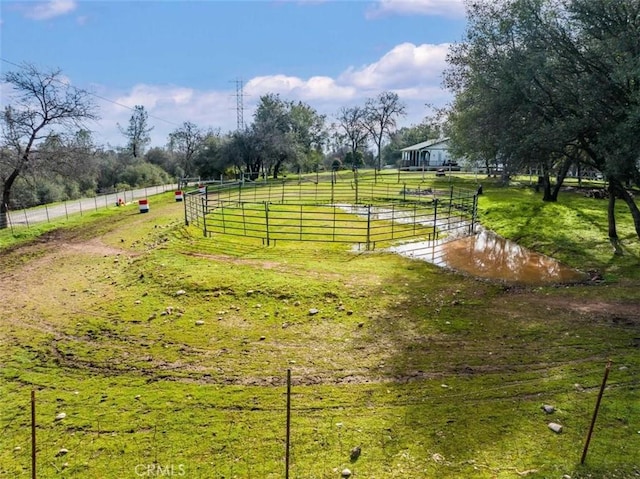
(432, 373)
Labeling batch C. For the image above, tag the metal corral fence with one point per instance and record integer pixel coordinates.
(358, 212)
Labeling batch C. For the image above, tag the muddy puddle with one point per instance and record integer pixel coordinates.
(487, 255)
(484, 254)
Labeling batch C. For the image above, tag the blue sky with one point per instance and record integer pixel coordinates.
(180, 59)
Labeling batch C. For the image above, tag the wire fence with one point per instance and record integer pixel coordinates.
(185, 436)
(54, 212)
(357, 212)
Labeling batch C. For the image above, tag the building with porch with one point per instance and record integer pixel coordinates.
(428, 155)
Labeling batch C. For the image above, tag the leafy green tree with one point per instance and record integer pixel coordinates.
(211, 161)
(42, 104)
(163, 158)
(550, 83)
(287, 132)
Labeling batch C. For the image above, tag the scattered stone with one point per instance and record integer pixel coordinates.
(623, 368)
(180, 292)
(341, 307)
(62, 452)
(65, 465)
(555, 427)
(355, 453)
(258, 306)
(199, 322)
(137, 397)
(285, 325)
(169, 310)
(146, 293)
(250, 292)
(439, 458)
(17, 449)
(313, 311)
(262, 338)
(61, 416)
(566, 476)
(548, 408)
(444, 386)
(349, 313)
(152, 316)
(137, 301)
(346, 473)
(297, 303)
(360, 325)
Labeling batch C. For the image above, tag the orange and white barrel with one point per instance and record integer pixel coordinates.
(179, 195)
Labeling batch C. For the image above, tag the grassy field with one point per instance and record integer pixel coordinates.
(167, 352)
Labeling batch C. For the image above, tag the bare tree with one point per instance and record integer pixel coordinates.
(380, 118)
(351, 127)
(138, 131)
(185, 142)
(43, 103)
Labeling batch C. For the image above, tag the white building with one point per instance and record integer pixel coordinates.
(428, 155)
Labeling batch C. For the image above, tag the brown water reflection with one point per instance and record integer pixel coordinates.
(487, 255)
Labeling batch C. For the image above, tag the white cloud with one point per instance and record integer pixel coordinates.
(445, 8)
(316, 88)
(411, 71)
(406, 64)
(50, 9)
(168, 106)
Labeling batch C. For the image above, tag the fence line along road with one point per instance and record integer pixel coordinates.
(47, 213)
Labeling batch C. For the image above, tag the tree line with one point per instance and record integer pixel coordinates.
(551, 86)
(47, 153)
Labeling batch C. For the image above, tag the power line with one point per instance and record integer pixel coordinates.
(94, 94)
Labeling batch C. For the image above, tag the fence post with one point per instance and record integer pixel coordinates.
(356, 181)
(473, 213)
(435, 219)
(186, 218)
(26, 219)
(46, 210)
(204, 217)
(33, 434)
(595, 412)
(266, 219)
(404, 192)
(368, 226)
(66, 212)
(288, 440)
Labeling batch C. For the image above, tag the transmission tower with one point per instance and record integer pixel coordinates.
(239, 105)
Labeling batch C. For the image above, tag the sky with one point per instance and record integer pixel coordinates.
(185, 60)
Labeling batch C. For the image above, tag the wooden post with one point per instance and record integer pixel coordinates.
(33, 434)
(288, 441)
(595, 412)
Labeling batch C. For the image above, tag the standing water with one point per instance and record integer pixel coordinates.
(487, 255)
